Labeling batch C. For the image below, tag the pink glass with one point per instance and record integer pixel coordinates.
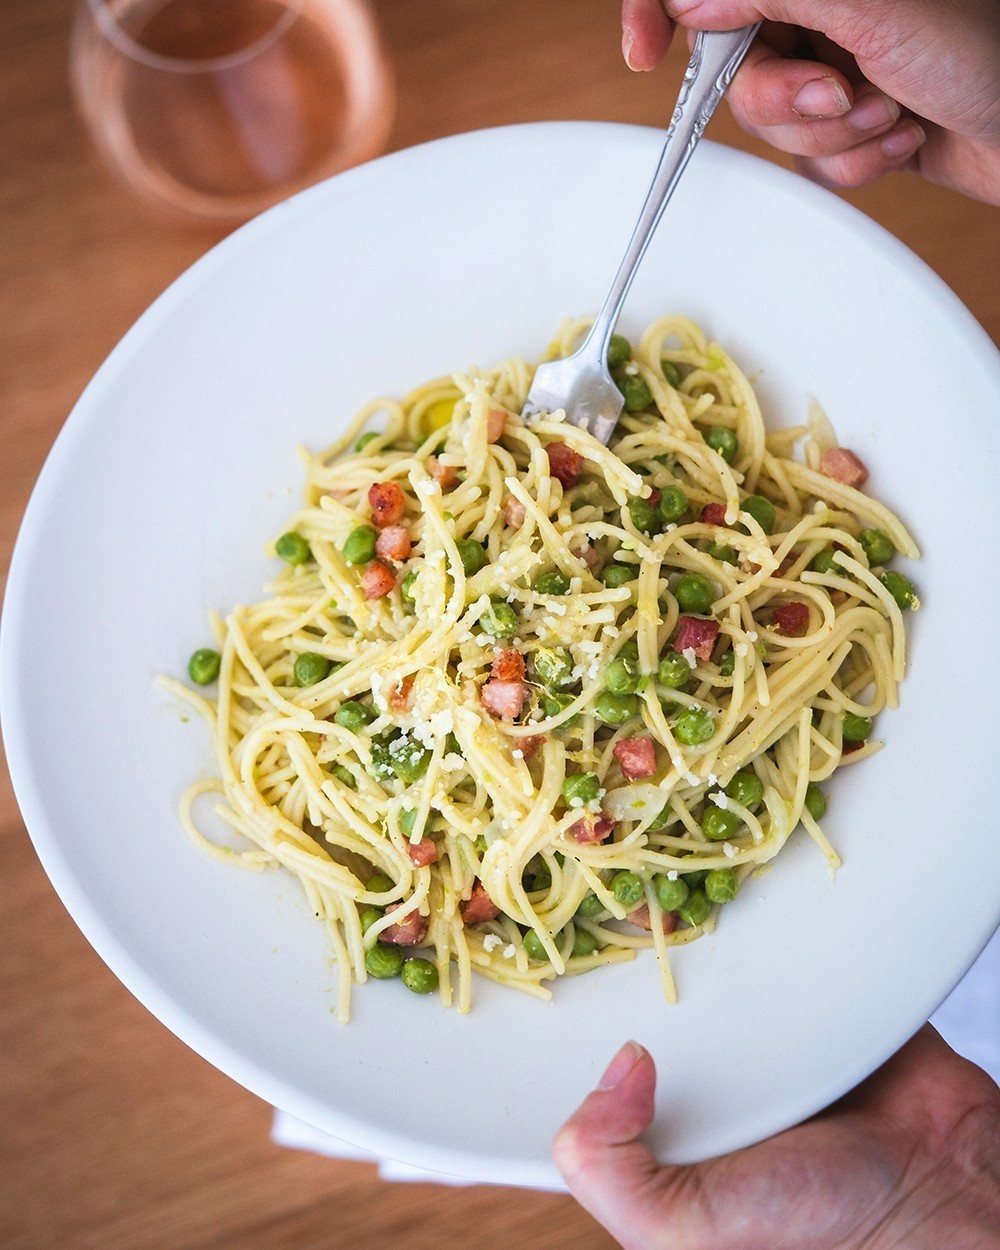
(217, 109)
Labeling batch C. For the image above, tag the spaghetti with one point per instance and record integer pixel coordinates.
(521, 704)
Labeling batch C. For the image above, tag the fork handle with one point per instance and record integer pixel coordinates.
(715, 58)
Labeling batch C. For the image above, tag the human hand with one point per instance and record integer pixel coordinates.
(909, 1159)
(856, 88)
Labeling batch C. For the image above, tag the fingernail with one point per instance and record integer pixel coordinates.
(821, 97)
(627, 41)
(677, 8)
(872, 112)
(903, 140)
(619, 1067)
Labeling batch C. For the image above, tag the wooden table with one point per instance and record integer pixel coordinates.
(115, 1135)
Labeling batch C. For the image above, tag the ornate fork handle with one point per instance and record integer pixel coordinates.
(715, 58)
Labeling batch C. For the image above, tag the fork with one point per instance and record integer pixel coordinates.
(581, 384)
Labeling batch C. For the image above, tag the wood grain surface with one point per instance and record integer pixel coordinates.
(114, 1134)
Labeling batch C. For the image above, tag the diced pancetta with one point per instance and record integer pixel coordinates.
(640, 918)
(564, 463)
(480, 907)
(504, 699)
(423, 852)
(590, 557)
(377, 580)
(636, 757)
(508, 665)
(843, 465)
(514, 513)
(387, 502)
(791, 619)
(591, 828)
(528, 746)
(698, 634)
(400, 697)
(444, 474)
(393, 543)
(410, 930)
(713, 514)
(496, 419)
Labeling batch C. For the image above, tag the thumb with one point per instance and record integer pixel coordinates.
(609, 1172)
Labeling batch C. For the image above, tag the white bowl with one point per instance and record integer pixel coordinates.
(178, 464)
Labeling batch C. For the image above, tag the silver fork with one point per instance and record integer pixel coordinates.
(581, 384)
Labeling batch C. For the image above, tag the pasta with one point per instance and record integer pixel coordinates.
(520, 704)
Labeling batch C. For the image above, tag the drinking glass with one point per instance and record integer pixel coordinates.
(219, 108)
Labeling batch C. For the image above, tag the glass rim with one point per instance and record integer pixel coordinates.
(112, 30)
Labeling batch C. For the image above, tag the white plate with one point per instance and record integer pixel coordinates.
(178, 464)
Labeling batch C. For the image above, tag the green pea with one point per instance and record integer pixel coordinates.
(551, 583)
(727, 665)
(877, 545)
(673, 504)
(619, 350)
(409, 762)
(696, 910)
(499, 620)
(383, 961)
(637, 394)
(661, 818)
(365, 439)
(616, 709)
(406, 586)
(856, 728)
(471, 554)
(584, 943)
(381, 762)
(353, 715)
(721, 885)
(581, 501)
(359, 546)
(420, 976)
(292, 548)
(533, 946)
(615, 575)
(628, 888)
(723, 441)
(673, 671)
(825, 561)
(553, 704)
(671, 373)
(310, 668)
(762, 511)
(694, 593)
(671, 893)
(579, 789)
(815, 801)
(745, 788)
(723, 553)
(553, 666)
(901, 589)
(378, 884)
(590, 906)
(630, 649)
(718, 824)
(368, 916)
(344, 776)
(696, 878)
(204, 665)
(694, 726)
(408, 820)
(622, 675)
(645, 515)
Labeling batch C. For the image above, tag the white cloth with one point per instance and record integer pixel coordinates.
(968, 1020)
